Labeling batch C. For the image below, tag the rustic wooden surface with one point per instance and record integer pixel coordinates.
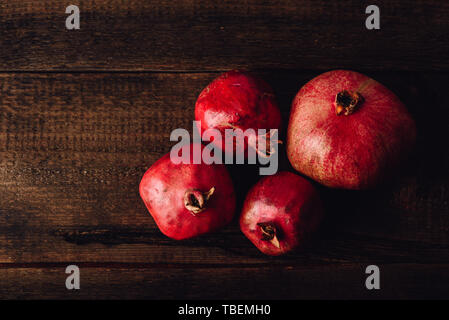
(84, 113)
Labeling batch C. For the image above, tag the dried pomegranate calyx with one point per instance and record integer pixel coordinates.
(269, 233)
(263, 145)
(347, 102)
(196, 201)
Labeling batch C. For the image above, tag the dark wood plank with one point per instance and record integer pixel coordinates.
(402, 281)
(73, 148)
(201, 35)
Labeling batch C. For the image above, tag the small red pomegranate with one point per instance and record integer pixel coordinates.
(280, 213)
(238, 100)
(347, 130)
(188, 200)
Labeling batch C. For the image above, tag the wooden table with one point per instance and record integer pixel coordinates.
(83, 114)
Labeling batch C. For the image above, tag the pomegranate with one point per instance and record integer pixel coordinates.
(280, 213)
(238, 100)
(188, 200)
(347, 130)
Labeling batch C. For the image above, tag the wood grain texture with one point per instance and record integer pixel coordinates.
(73, 148)
(220, 35)
(402, 281)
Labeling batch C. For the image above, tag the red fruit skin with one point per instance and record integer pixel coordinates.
(162, 189)
(237, 100)
(286, 200)
(356, 151)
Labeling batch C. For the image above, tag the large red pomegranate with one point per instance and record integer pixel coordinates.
(238, 100)
(280, 213)
(187, 200)
(347, 130)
